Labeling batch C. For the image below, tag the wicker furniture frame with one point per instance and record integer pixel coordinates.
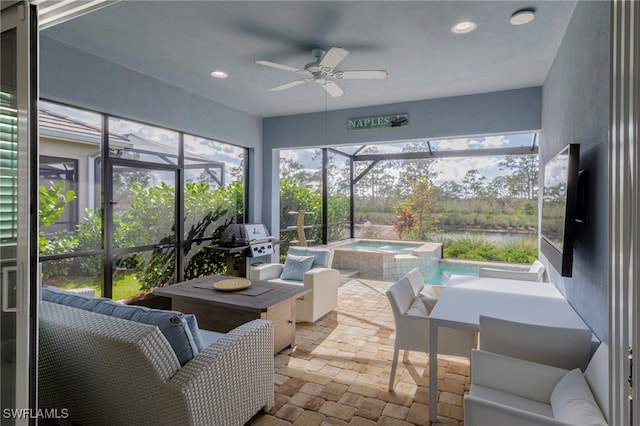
(108, 371)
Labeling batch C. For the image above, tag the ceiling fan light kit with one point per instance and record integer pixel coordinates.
(323, 72)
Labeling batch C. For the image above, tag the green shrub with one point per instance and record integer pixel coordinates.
(476, 247)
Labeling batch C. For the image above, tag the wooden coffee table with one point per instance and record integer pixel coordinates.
(222, 311)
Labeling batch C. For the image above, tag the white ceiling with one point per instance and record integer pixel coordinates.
(181, 42)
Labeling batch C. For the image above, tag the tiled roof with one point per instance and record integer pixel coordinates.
(59, 125)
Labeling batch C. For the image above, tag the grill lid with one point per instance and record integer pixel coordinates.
(245, 233)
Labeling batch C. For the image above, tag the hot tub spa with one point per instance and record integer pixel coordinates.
(385, 260)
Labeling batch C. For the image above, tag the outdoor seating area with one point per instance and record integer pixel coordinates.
(149, 368)
(308, 267)
(343, 369)
(506, 390)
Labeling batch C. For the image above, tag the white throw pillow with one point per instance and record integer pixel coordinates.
(573, 402)
(428, 292)
(417, 309)
(429, 302)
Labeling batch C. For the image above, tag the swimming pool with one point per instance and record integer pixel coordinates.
(441, 274)
(389, 260)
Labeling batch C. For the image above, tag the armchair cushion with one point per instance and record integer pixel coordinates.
(573, 402)
(321, 257)
(295, 267)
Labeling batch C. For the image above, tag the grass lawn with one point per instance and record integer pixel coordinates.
(125, 285)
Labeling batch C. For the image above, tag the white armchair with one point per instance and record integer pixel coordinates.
(411, 318)
(513, 392)
(535, 273)
(321, 279)
(560, 347)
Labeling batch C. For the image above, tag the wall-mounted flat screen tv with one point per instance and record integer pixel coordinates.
(560, 208)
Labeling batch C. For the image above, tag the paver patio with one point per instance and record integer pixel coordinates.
(339, 372)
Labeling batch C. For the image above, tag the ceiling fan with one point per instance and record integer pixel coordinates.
(323, 72)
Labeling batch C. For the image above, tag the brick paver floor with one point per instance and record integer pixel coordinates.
(339, 372)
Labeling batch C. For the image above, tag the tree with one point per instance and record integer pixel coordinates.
(473, 184)
(523, 182)
(450, 190)
(410, 170)
(418, 210)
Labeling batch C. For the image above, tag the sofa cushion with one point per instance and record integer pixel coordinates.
(321, 256)
(62, 297)
(210, 337)
(573, 402)
(295, 267)
(173, 325)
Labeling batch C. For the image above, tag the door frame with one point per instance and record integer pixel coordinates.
(23, 17)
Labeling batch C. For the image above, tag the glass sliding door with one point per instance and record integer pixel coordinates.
(16, 330)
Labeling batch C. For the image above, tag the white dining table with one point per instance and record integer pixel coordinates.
(465, 298)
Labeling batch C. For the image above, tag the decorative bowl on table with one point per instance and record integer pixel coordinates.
(231, 284)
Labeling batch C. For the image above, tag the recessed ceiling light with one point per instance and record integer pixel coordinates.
(219, 74)
(522, 16)
(464, 27)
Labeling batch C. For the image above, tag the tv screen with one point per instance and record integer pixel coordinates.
(559, 208)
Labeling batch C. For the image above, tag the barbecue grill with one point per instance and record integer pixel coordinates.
(243, 240)
(252, 239)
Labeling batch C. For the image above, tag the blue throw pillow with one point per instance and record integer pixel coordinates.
(172, 324)
(295, 267)
(192, 322)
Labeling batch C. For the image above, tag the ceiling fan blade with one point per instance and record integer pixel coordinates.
(332, 58)
(290, 84)
(279, 66)
(332, 88)
(365, 75)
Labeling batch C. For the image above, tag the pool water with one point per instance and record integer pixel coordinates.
(397, 248)
(443, 272)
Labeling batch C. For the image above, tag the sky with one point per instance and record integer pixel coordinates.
(197, 146)
(448, 169)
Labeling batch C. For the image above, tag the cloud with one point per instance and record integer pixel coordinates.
(471, 143)
(495, 142)
(455, 168)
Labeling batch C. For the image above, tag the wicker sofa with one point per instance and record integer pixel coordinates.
(107, 371)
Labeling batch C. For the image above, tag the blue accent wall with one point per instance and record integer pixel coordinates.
(73, 76)
(575, 109)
